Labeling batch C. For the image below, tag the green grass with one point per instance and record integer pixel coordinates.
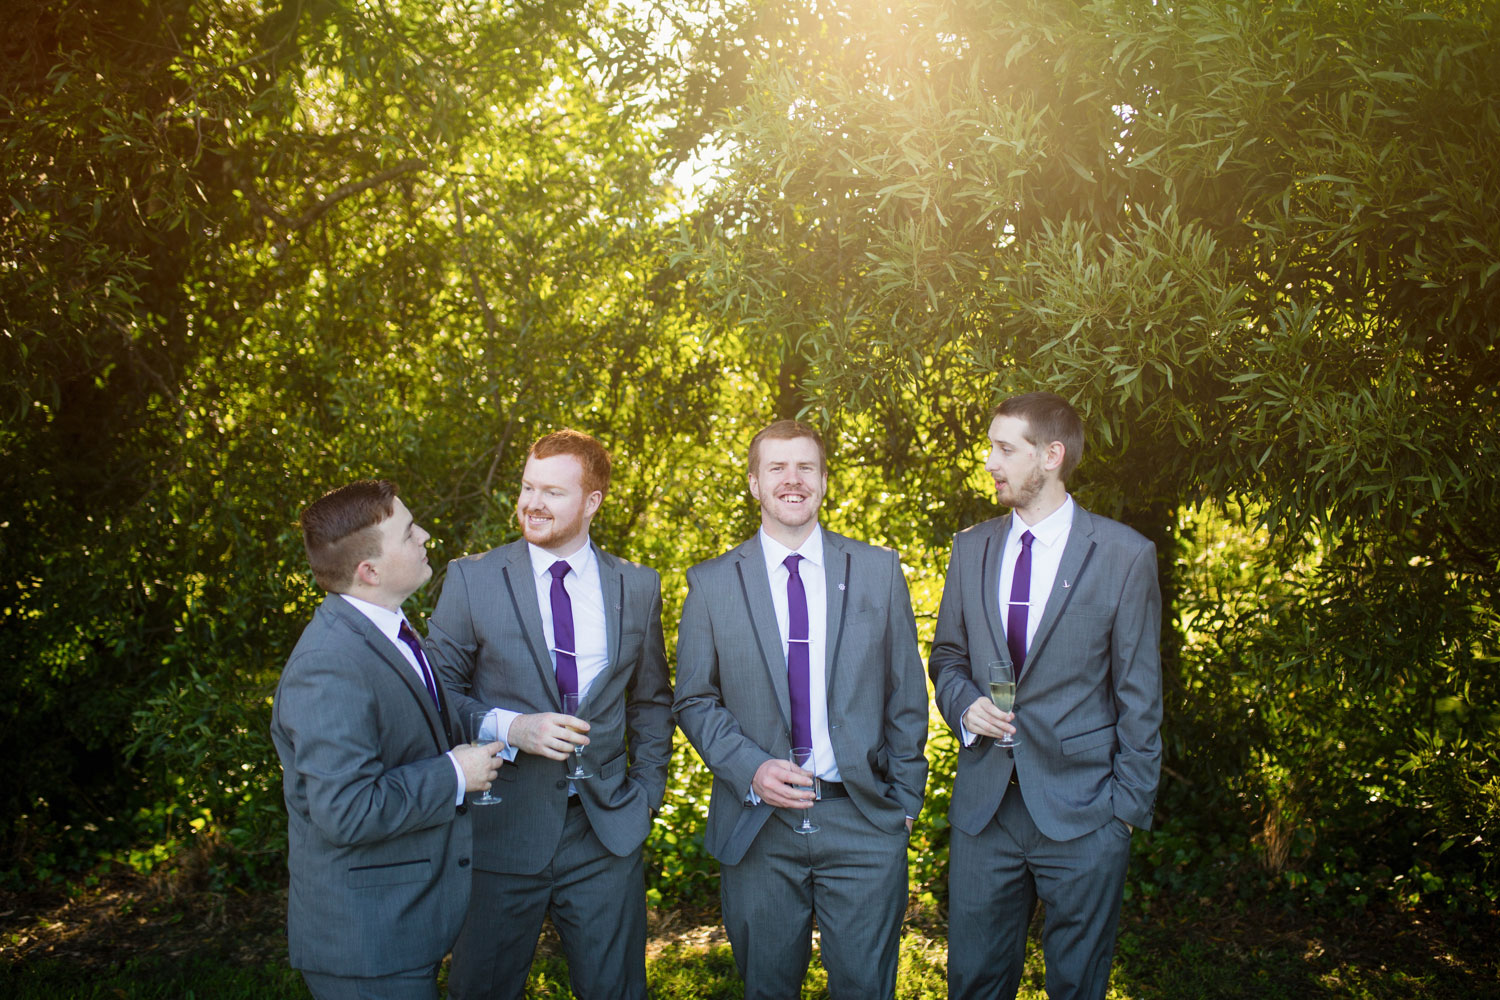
(1189, 954)
(198, 978)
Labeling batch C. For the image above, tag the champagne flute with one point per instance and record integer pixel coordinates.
(1003, 694)
(801, 758)
(579, 772)
(476, 726)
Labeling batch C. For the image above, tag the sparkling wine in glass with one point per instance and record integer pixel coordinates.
(1003, 694)
(476, 725)
(579, 772)
(801, 758)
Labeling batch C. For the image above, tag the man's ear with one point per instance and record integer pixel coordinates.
(367, 573)
(1052, 458)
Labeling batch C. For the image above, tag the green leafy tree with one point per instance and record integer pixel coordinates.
(1253, 243)
(254, 252)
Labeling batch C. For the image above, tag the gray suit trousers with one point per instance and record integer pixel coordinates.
(1006, 869)
(849, 874)
(418, 984)
(598, 905)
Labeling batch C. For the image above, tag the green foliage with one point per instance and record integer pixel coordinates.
(1316, 683)
(253, 251)
(201, 977)
(354, 242)
(679, 870)
(1253, 244)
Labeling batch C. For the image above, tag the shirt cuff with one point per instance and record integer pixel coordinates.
(458, 772)
(502, 719)
(967, 737)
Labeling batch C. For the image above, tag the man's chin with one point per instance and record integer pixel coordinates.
(795, 516)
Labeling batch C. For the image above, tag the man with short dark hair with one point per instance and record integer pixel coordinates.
(1068, 600)
(516, 629)
(803, 640)
(378, 840)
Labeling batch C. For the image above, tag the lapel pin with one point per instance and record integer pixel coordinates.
(841, 586)
(1065, 585)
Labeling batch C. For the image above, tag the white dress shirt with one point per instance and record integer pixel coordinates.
(1049, 537)
(811, 570)
(586, 594)
(389, 624)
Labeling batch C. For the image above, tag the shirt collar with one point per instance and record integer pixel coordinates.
(810, 550)
(1049, 529)
(542, 560)
(389, 622)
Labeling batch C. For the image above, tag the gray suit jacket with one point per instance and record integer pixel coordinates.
(488, 644)
(378, 854)
(1088, 704)
(733, 702)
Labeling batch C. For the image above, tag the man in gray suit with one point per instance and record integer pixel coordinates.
(378, 842)
(804, 638)
(516, 628)
(1070, 600)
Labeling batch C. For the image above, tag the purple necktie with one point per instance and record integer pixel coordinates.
(562, 631)
(797, 658)
(406, 635)
(1020, 599)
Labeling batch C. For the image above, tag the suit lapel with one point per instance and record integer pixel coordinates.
(520, 583)
(755, 584)
(994, 554)
(836, 577)
(386, 652)
(444, 719)
(1075, 557)
(612, 583)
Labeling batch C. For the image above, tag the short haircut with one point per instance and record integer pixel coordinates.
(786, 430)
(1048, 417)
(338, 530)
(584, 447)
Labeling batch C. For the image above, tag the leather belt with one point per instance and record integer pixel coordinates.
(832, 790)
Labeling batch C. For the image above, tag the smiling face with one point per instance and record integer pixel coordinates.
(790, 484)
(402, 565)
(553, 510)
(1025, 474)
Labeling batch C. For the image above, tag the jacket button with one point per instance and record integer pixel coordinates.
(463, 862)
(562, 782)
(1010, 753)
(462, 810)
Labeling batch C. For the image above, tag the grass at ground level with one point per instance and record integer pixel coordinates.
(134, 941)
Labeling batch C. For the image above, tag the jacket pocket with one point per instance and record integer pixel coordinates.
(1088, 741)
(397, 873)
(614, 765)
